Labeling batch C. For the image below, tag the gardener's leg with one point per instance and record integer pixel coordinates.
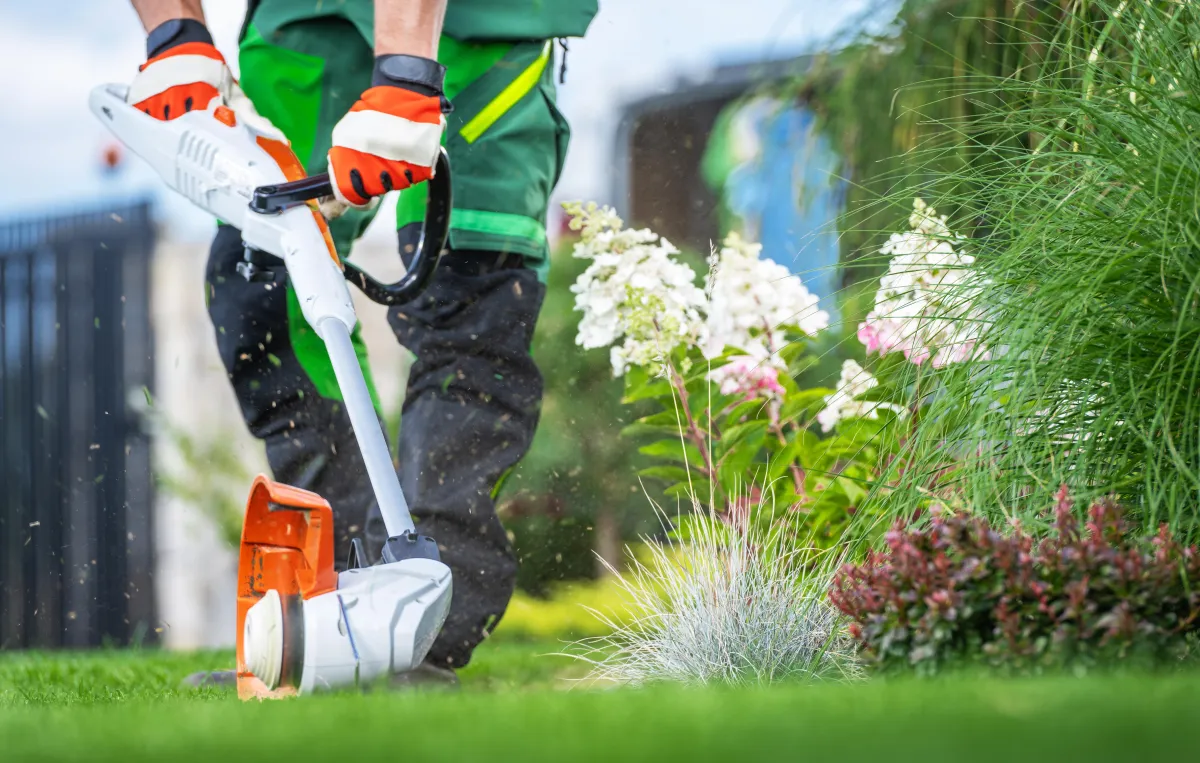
(302, 80)
(474, 392)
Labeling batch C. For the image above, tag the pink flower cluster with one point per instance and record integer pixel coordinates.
(748, 376)
(884, 335)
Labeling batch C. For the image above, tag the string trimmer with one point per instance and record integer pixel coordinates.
(302, 626)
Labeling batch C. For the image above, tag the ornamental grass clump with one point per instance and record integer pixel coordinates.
(729, 604)
(959, 592)
(1079, 201)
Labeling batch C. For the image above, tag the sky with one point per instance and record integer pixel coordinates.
(55, 51)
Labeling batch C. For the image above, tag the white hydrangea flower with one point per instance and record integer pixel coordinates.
(634, 295)
(754, 302)
(642, 302)
(926, 303)
(855, 382)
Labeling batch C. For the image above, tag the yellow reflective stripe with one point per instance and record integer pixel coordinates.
(516, 90)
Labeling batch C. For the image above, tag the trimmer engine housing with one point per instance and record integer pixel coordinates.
(301, 626)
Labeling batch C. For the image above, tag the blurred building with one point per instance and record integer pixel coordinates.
(740, 150)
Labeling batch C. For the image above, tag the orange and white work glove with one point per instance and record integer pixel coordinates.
(389, 140)
(183, 72)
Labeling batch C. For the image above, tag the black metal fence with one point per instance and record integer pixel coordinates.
(76, 530)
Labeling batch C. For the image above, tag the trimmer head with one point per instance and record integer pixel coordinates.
(301, 626)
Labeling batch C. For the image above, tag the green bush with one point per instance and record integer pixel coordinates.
(550, 545)
(578, 469)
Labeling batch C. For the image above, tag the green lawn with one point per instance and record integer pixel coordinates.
(514, 705)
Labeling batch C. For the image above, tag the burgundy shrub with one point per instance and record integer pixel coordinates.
(959, 592)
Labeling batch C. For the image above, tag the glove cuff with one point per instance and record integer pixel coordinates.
(175, 32)
(420, 75)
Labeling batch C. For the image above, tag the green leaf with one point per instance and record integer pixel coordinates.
(701, 370)
(667, 418)
(782, 461)
(671, 449)
(670, 473)
(803, 365)
(781, 496)
(751, 408)
(797, 449)
(698, 525)
(661, 423)
(700, 489)
(735, 434)
(841, 449)
(639, 429)
(792, 350)
(829, 498)
(734, 471)
(635, 377)
(805, 403)
(703, 394)
(860, 430)
(803, 440)
(854, 489)
(652, 388)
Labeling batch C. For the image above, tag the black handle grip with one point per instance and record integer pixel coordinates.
(269, 199)
(429, 248)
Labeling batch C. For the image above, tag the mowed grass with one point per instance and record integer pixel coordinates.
(518, 703)
(74, 679)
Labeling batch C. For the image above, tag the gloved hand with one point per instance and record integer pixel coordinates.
(184, 71)
(390, 138)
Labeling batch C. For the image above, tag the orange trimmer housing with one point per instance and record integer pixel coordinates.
(287, 545)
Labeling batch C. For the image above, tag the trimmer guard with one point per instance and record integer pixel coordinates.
(287, 546)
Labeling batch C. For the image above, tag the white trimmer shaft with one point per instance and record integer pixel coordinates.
(217, 166)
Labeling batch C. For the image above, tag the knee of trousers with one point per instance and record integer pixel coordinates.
(496, 308)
